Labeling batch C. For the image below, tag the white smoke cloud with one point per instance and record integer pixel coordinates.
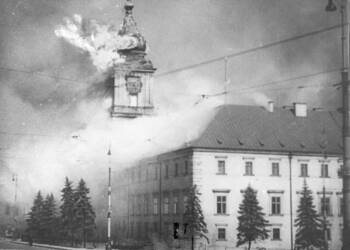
(102, 42)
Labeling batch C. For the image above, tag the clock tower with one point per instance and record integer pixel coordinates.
(133, 78)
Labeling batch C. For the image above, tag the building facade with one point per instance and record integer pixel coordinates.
(273, 151)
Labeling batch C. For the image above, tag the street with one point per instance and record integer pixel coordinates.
(9, 245)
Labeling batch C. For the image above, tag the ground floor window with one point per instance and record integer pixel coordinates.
(276, 234)
(221, 233)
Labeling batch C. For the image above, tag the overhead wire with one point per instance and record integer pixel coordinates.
(247, 51)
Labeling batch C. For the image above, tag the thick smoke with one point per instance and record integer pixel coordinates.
(55, 117)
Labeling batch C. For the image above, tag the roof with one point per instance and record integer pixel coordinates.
(253, 128)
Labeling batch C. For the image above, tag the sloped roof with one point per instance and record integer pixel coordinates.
(254, 128)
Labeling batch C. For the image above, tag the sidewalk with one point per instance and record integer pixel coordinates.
(55, 247)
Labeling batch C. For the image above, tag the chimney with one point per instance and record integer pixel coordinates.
(270, 106)
(300, 109)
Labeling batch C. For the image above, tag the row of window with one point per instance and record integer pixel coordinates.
(141, 204)
(276, 233)
(276, 205)
(275, 169)
(151, 173)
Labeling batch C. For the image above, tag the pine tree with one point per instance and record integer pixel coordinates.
(34, 222)
(193, 216)
(251, 222)
(308, 222)
(49, 219)
(84, 213)
(67, 211)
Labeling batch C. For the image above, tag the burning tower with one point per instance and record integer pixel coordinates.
(133, 78)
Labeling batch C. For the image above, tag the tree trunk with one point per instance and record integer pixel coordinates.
(249, 244)
(192, 242)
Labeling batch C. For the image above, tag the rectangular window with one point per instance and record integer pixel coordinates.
(185, 203)
(175, 204)
(275, 205)
(166, 205)
(186, 168)
(276, 234)
(166, 174)
(304, 170)
(248, 168)
(340, 171)
(341, 207)
(139, 174)
(146, 205)
(139, 204)
(155, 227)
(221, 167)
(326, 206)
(155, 172)
(275, 169)
(155, 205)
(221, 204)
(176, 169)
(329, 234)
(221, 233)
(324, 170)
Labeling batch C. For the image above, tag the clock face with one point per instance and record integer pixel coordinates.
(133, 85)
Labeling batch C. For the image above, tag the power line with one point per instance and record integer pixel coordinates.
(243, 52)
(38, 74)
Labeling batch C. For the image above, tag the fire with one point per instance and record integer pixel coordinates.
(102, 42)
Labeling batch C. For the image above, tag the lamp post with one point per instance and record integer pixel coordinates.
(109, 242)
(346, 111)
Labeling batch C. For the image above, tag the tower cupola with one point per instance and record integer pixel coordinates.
(133, 79)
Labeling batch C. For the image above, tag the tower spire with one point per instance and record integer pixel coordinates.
(129, 25)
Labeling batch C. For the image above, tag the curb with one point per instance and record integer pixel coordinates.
(47, 246)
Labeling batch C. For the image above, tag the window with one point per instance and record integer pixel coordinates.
(146, 205)
(275, 205)
(341, 206)
(186, 168)
(176, 169)
(155, 172)
(340, 171)
(248, 168)
(326, 206)
(139, 204)
(324, 170)
(276, 234)
(304, 170)
(329, 234)
(7, 210)
(175, 204)
(166, 205)
(155, 205)
(185, 203)
(275, 169)
(221, 233)
(166, 174)
(147, 174)
(221, 167)
(221, 204)
(155, 227)
(139, 174)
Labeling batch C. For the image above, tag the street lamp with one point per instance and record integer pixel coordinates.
(109, 242)
(346, 115)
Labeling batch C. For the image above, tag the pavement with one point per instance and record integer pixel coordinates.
(9, 244)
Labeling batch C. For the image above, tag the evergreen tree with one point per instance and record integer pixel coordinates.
(34, 222)
(83, 212)
(308, 222)
(251, 222)
(193, 216)
(67, 211)
(49, 219)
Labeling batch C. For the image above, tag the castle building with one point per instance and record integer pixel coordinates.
(274, 151)
(132, 92)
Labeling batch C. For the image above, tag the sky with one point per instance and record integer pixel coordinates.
(53, 99)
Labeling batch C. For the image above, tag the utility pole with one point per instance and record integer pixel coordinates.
(346, 110)
(109, 242)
